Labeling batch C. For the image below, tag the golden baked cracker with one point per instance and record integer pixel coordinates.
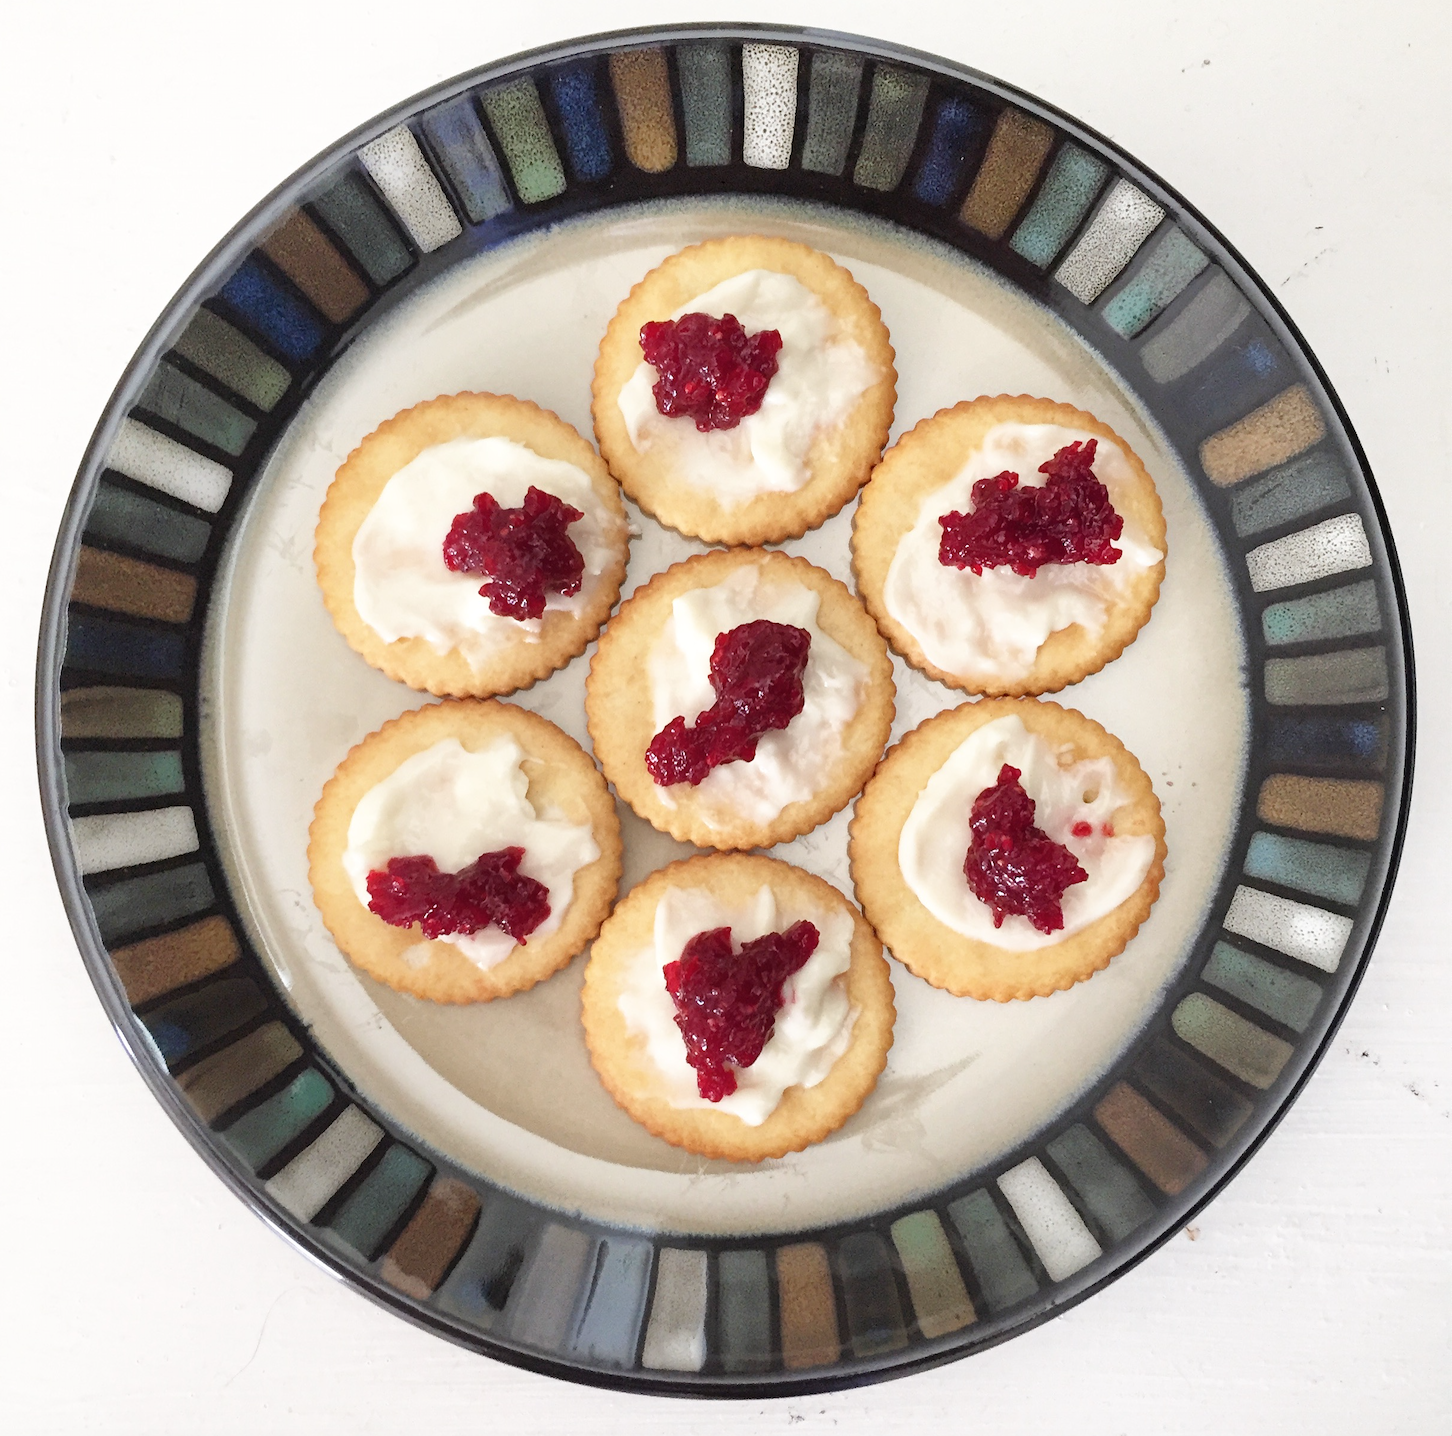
(839, 461)
(562, 779)
(805, 1114)
(355, 490)
(929, 456)
(620, 713)
(929, 948)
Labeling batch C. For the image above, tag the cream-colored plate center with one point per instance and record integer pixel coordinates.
(506, 1088)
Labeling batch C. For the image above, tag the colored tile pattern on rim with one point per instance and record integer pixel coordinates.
(1015, 187)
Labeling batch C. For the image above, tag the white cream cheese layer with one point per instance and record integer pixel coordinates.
(936, 836)
(453, 805)
(820, 377)
(813, 1026)
(403, 589)
(991, 624)
(791, 763)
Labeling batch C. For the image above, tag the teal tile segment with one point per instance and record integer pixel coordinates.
(608, 1331)
(743, 1311)
(1288, 997)
(1075, 177)
(835, 79)
(231, 358)
(1111, 1195)
(187, 1024)
(267, 1129)
(1319, 868)
(181, 400)
(376, 1206)
(705, 76)
(893, 120)
(551, 1288)
(1172, 262)
(113, 777)
(1003, 1275)
(352, 211)
(129, 907)
(1339, 613)
(1355, 675)
(519, 124)
(466, 157)
(120, 517)
(479, 1287)
(1296, 490)
(869, 1293)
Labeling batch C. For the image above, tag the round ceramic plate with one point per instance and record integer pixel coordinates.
(463, 1166)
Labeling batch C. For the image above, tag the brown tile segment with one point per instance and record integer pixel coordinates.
(809, 1334)
(1347, 807)
(1279, 430)
(161, 964)
(1149, 1139)
(220, 1081)
(1016, 154)
(298, 248)
(126, 585)
(643, 96)
(425, 1250)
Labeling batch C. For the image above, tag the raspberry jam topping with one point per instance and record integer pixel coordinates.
(1069, 519)
(490, 890)
(526, 552)
(756, 672)
(1012, 866)
(711, 370)
(726, 1004)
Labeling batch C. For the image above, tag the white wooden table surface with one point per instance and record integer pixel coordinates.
(1313, 1295)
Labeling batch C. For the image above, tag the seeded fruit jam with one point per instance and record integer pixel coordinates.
(711, 370)
(526, 552)
(756, 674)
(726, 1004)
(1068, 519)
(490, 890)
(1013, 867)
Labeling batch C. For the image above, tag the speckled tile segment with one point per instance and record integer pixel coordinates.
(400, 170)
(177, 398)
(1289, 998)
(134, 904)
(1149, 1139)
(1126, 218)
(1278, 430)
(273, 309)
(425, 1250)
(197, 1019)
(1003, 1275)
(551, 1287)
(168, 466)
(1293, 491)
(577, 102)
(807, 1307)
(1016, 152)
(643, 99)
(1207, 1105)
(120, 713)
(231, 358)
(352, 211)
(1239, 1046)
(958, 130)
(301, 250)
(1317, 868)
(1333, 546)
(1172, 262)
(769, 78)
(1342, 807)
(1309, 934)
(462, 150)
(894, 117)
(125, 840)
(1354, 675)
(836, 78)
(306, 1183)
(130, 585)
(1074, 179)
(375, 1208)
(1064, 1244)
(259, 1136)
(940, 1300)
(122, 516)
(705, 76)
(1182, 343)
(675, 1339)
(159, 965)
(108, 777)
(743, 1311)
(219, 1082)
(518, 118)
(608, 1330)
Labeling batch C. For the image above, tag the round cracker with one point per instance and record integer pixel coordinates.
(562, 779)
(359, 482)
(838, 461)
(929, 456)
(934, 951)
(619, 707)
(805, 1114)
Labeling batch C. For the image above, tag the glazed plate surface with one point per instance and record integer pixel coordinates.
(464, 1165)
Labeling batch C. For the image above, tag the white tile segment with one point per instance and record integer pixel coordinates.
(769, 78)
(122, 840)
(162, 463)
(1063, 1242)
(1309, 934)
(1336, 546)
(409, 185)
(311, 1178)
(1124, 221)
(676, 1337)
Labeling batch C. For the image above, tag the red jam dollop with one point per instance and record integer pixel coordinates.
(726, 1004)
(711, 370)
(756, 672)
(490, 890)
(526, 552)
(1012, 866)
(1069, 519)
